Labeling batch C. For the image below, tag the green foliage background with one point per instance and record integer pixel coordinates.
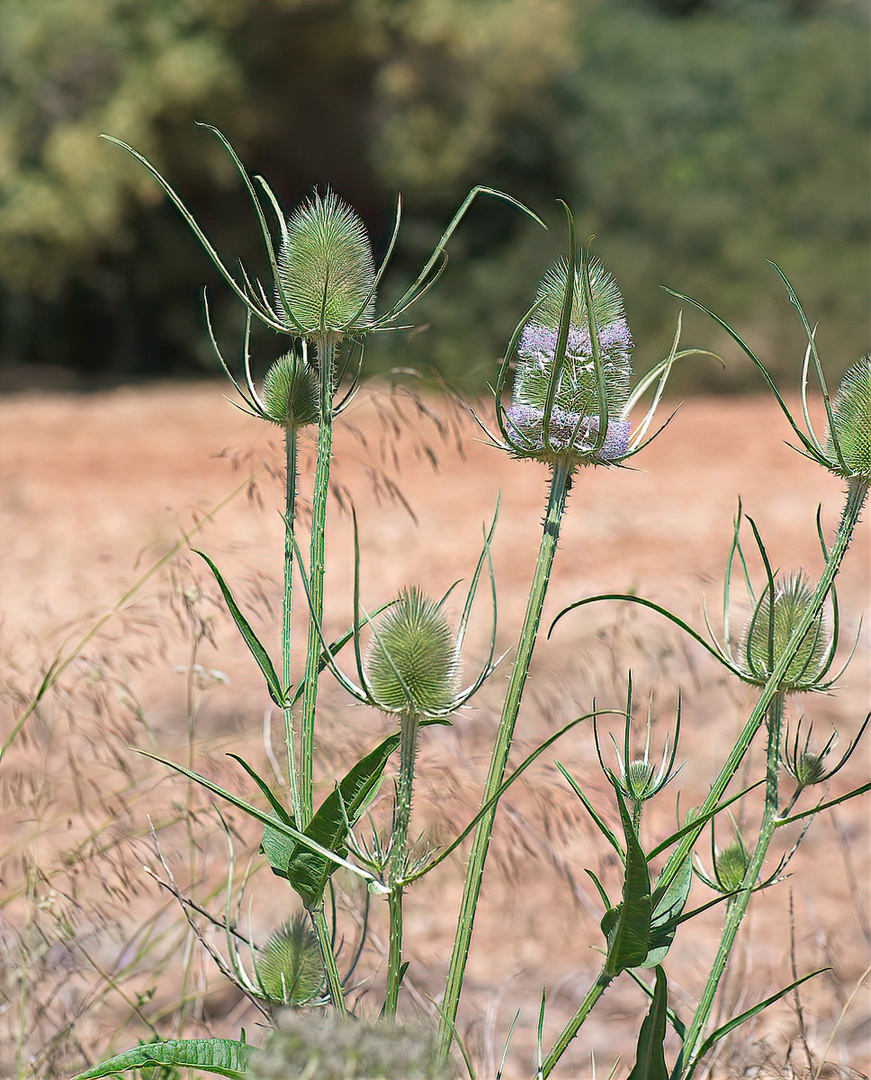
(696, 139)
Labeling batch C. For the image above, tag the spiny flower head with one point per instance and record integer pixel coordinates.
(289, 967)
(411, 665)
(290, 392)
(326, 273)
(770, 628)
(848, 440)
(730, 866)
(571, 426)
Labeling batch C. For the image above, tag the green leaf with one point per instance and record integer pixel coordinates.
(668, 905)
(649, 1056)
(223, 1057)
(627, 927)
(306, 870)
(280, 813)
(250, 638)
(715, 1036)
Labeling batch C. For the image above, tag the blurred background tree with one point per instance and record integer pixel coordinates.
(696, 138)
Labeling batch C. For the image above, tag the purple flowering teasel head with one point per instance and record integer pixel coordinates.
(572, 392)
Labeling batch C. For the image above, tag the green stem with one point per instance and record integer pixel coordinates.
(737, 905)
(326, 349)
(334, 981)
(856, 493)
(290, 448)
(408, 730)
(499, 759)
(571, 1029)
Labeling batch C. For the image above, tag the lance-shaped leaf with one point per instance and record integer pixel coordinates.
(221, 1057)
(250, 638)
(668, 904)
(627, 926)
(306, 870)
(649, 1056)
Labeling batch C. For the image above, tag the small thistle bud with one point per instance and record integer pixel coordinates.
(730, 866)
(311, 1047)
(851, 424)
(411, 666)
(572, 428)
(326, 273)
(289, 967)
(768, 633)
(290, 392)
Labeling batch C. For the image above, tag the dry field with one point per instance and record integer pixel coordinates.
(96, 489)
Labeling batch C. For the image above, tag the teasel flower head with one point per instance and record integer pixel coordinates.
(730, 866)
(411, 665)
(845, 448)
(289, 969)
(571, 394)
(324, 281)
(808, 765)
(327, 1048)
(848, 438)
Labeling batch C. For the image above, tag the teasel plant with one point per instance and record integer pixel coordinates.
(570, 408)
(320, 295)
(788, 646)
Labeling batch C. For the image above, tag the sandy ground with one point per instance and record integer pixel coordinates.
(94, 489)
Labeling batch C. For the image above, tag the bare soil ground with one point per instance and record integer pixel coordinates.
(95, 489)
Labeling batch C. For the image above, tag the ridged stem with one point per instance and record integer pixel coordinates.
(559, 487)
(573, 1026)
(290, 453)
(326, 350)
(737, 905)
(408, 729)
(334, 980)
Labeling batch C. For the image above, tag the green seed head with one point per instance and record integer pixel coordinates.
(289, 966)
(411, 665)
(809, 769)
(326, 273)
(290, 392)
(851, 424)
(731, 865)
(766, 637)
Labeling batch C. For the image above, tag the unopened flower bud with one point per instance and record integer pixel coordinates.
(289, 967)
(290, 392)
(770, 629)
(730, 866)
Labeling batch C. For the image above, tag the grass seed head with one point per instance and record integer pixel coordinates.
(770, 628)
(851, 424)
(326, 273)
(290, 392)
(411, 664)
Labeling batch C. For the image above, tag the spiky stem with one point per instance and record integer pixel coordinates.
(408, 729)
(559, 487)
(326, 349)
(290, 452)
(737, 905)
(334, 980)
